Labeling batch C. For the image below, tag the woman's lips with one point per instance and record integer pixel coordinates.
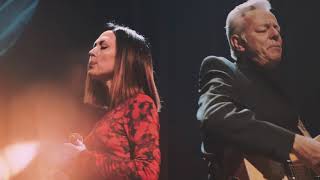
(91, 65)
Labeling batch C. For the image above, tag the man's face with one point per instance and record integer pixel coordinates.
(102, 56)
(263, 40)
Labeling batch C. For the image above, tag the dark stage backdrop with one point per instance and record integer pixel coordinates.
(42, 74)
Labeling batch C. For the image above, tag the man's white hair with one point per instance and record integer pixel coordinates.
(232, 23)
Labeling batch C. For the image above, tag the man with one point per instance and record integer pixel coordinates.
(241, 112)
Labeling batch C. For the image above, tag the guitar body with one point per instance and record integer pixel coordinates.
(260, 168)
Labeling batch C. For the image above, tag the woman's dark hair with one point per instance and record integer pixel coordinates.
(133, 71)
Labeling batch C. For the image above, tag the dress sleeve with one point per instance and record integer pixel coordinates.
(141, 126)
(226, 120)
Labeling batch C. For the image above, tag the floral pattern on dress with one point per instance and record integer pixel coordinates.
(124, 144)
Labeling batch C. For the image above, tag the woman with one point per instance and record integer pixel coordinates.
(124, 144)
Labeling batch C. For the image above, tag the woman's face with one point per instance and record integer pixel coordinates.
(102, 57)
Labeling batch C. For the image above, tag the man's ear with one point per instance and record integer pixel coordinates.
(237, 43)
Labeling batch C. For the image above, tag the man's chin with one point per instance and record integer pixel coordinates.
(276, 59)
(273, 63)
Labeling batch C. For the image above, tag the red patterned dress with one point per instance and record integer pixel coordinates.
(124, 144)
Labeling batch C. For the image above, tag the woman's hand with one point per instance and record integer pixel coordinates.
(74, 146)
(59, 156)
(73, 150)
(75, 138)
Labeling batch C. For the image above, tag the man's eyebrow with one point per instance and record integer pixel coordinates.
(268, 25)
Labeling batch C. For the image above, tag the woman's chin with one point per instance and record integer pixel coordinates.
(94, 76)
(100, 77)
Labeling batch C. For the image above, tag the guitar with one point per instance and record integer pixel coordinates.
(260, 168)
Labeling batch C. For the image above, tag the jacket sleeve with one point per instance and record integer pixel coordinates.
(225, 120)
(141, 126)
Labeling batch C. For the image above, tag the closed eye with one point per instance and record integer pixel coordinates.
(261, 30)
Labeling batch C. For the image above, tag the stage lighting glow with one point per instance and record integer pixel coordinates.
(14, 158)
(4, 170)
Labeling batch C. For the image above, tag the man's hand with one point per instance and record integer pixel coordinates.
(308, 152)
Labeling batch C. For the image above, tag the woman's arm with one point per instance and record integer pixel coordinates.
(141, 126)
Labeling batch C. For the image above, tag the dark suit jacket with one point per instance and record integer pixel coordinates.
(240, 109)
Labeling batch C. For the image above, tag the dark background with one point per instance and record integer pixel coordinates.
(53, 50)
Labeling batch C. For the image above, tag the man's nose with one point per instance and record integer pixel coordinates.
(275, 34)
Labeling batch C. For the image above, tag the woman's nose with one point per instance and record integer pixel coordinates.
(91, 52)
